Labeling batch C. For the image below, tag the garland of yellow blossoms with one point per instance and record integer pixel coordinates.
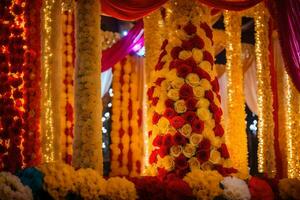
(236, 137)
(126, 135)
(87, 148)
(183, 97)
(266, 156)
(68, 62)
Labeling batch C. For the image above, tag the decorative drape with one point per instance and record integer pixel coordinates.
(126, 135)
(288, 20)
(136, 9)
(123, 47)
(106, 80)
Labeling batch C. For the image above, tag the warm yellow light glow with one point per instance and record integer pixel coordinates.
(266, 156)
(236, 138)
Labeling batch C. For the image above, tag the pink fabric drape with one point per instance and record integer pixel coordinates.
(123, 47)
(288, 19)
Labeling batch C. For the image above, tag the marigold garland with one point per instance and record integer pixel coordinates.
(266, 156)
(126, 136)
(292, 127)
(183, 97)
(68, 55)
(236, 137)
(87, 147)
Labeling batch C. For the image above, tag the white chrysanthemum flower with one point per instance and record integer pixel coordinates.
(235, 189)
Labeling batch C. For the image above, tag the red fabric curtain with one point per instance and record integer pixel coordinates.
(136, 9)
(130, 9)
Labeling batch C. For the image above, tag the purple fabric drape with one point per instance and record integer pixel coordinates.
(288, 18)
(123, 47)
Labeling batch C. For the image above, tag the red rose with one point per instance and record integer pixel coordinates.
(217, 115)
(203, 156)
(190, 28)
(158, 141)
(181, 162)
(155, 118)
(186, 91)
(175, 52)
(18, 94)
(207, 29)
(187, 45)
(224, 151)
(177, 122)
(163, 151)
(197, 41)
(169, 113)
(260, 189)
(207, 56)
(162, 173)
(201, 73)
(197, 126)
(209, 95)
(175, 63)
(169, 103)
(191, 104)
(159, 65)
(215, 85)
(164, 44)
(159, 80)
(189, 116)
(168, 140)
(155, 101)
(179, 139)
(213, 107)
(153, 156)
(150, 92)
(183, 70)
(191, 62)
(205, 144)
(178, 189)
(218, 130)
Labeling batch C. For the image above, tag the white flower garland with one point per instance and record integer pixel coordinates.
(88, 139)
(235, 189)
(12, 188)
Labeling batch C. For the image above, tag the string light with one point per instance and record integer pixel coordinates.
(236, 139)
(266, 155)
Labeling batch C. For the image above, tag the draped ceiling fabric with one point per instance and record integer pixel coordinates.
(123, 47)
(288, 18)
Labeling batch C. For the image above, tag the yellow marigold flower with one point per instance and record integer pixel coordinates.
(168, 163)
(163, 125)
(203, 103)
(185, 55)
(203, 114)
(186, 130)
(121, 189)
(193, 79)
(205, 84)
(180, 106)
(151, 170)
(171, 75)
(198, 55)
(175, 150)
(189, 150)
(195, 139)
(198, 92)
(177, 83)
(173, 94)
(165, 85)
(194, 163)
(215, 157)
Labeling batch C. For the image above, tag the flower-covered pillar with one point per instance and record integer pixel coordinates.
(87, 148)
(184, 100)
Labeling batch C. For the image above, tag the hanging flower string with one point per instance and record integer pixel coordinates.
(12, 88)
(68, 56)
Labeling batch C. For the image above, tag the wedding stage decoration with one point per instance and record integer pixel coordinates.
(169, 138)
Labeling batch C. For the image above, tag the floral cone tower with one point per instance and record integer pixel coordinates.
(185, 129)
